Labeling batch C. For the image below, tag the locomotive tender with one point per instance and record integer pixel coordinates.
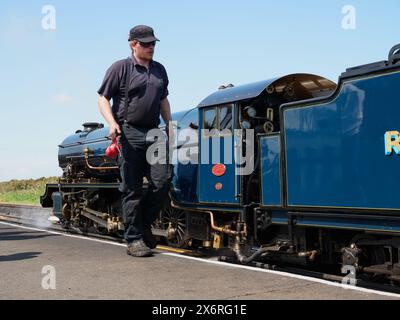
(323, 186)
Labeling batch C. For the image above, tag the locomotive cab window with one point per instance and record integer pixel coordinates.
(225, 118)
(210, 119)
(189, 124)
(218, 120)
(190, 120)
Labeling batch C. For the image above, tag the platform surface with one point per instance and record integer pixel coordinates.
(87, 269)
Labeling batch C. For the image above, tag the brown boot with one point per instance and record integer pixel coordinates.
(138, 249)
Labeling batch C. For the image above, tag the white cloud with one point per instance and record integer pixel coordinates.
(62, 98)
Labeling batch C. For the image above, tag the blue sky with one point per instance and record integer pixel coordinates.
(49, 79)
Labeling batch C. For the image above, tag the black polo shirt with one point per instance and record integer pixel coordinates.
(147, 87)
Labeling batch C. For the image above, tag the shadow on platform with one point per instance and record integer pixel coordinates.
(19, 256)
(22, 235)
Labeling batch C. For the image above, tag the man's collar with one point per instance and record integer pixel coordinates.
(135, 62)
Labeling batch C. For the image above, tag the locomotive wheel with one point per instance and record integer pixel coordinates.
(66, 216)
(100, 230)
(80, 224)
(176, 219)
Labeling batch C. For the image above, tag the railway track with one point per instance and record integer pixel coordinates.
(36, 216)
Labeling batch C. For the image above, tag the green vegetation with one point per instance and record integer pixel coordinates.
(24, 191)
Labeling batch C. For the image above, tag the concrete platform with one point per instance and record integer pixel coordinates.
(88, 269)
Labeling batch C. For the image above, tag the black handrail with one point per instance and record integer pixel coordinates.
(394, 54)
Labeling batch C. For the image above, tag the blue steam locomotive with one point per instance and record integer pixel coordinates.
(318, 186)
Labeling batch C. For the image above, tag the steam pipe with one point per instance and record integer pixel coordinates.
(225, 230)
(96, 168)
(245, 260)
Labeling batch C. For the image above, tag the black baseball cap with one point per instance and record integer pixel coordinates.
(142, 33)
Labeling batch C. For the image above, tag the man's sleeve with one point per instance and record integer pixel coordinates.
(111, 83)
(165, 90)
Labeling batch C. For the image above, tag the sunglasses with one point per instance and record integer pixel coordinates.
(147, 44)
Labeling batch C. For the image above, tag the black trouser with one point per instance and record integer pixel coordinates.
(140, 210)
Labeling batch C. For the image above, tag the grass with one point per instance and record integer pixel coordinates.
(24, 191)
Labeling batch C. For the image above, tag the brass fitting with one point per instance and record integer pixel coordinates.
(87, 151)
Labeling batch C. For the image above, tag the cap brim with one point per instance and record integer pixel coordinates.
(145, 40)
(148, 39)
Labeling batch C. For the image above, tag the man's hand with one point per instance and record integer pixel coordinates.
(114, 130)
(105, 109)
(165, 111)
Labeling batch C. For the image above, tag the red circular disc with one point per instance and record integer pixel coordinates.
(218, 170)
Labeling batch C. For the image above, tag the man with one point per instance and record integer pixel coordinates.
(135, 111)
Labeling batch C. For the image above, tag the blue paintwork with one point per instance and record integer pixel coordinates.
(56, 197)
(184, 180)
(207, 181)
(388, 224)
(184, 183)
(176, 116)
(98, 141)
(242, 92)
(335, 152)
(270, 170)
(74, 145)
